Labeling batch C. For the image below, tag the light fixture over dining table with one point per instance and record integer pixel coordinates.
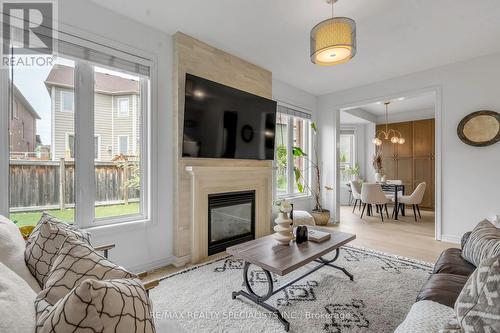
(333, 41)
(388, 134)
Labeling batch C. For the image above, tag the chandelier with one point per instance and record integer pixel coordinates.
(394, 135)
(333, 41)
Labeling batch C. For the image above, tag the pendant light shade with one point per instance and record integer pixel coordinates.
(333, 41)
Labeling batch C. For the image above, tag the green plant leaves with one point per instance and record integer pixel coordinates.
(298, 152)
(298, 175)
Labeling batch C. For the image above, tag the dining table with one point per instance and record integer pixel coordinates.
(395, 189)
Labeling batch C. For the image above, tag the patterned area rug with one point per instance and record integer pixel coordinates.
(198, 299)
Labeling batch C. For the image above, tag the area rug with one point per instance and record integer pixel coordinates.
(198, 299)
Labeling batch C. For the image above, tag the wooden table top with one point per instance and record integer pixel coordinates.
(281, 259)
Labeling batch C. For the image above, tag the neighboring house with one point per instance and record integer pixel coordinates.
(22, 126)
(116, 116)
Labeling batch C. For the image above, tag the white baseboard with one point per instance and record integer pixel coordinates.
(181, 261)
(451, 239)
(152, 265)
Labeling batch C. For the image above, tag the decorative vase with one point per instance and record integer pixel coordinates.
(384, 178)
(283, 228)
(321, 217)
(378, 177)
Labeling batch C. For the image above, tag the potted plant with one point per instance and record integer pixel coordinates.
(352, 173)
(320, 214)
(377, 165)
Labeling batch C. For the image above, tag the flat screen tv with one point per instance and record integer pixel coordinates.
(223, 122)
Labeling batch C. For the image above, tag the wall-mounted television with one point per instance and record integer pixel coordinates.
(224, 122)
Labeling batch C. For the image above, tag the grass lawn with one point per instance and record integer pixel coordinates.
(68, 215)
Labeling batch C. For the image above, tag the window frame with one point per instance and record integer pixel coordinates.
(290, 193)
(62, 109)
(15, 111)
(353, 153)
(119, 143)
(84, 80)
(119, 113)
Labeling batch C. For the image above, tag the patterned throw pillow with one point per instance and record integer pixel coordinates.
(483, 243)
(45, 241)
(120, 305)
(77, 261)
(478, 305)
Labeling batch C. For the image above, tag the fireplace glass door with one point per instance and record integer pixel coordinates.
(231, 219)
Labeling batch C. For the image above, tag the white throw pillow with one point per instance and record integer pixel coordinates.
(17, 309)
(495, 220)
(426, 317)
(107, 306)
(12, 247)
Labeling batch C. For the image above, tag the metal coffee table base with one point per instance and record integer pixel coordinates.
(260, 300)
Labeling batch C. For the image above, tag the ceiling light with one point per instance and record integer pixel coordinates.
(333, 41)
(401, 98)
(388, 134)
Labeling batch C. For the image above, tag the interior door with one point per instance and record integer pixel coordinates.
(424, 158)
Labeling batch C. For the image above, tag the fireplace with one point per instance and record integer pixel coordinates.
(231, 219)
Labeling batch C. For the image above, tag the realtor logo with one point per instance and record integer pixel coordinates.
(28, 29)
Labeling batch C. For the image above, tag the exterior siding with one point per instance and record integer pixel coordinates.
(108, 125)
(18, 142)
(64, 123)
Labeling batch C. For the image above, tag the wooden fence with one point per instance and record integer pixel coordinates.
(38, 185)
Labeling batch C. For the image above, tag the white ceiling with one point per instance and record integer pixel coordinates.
(349, 119)
(409, 104)
(395, 37)
(398, 106)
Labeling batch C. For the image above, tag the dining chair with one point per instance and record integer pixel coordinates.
(356, 193)
(414, 199)
(372, 194)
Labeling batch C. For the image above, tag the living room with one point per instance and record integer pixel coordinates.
(133, 172)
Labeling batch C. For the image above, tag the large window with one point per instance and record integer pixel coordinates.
(80, 150)
(293, 172)
(347, 154)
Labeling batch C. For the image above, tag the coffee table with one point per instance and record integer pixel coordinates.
(281, 260)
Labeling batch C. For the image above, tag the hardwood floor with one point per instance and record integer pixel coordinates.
(404, 237)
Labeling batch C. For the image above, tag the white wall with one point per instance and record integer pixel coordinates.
(408, 116)
(138, 245)
(292, 96)
(470, 181)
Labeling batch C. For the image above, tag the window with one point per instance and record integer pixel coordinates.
(123, 107)
(292, 135)
(43, 180)
(67, 101)
(125, 134)
(15, 112)
(123, 145)
(347, 153)
(80, 178)
(70, 145)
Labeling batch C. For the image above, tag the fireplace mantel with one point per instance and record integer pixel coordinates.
(207, 180)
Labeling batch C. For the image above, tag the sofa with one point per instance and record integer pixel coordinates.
(449, 276)
(458, 296)
(43, 295)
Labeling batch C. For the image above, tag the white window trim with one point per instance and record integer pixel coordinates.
(66, 140)
(15, 112)
(119, 112)
(84, 217)
(98, 136)
(128, 144)
(290, 174)
(63, 92)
